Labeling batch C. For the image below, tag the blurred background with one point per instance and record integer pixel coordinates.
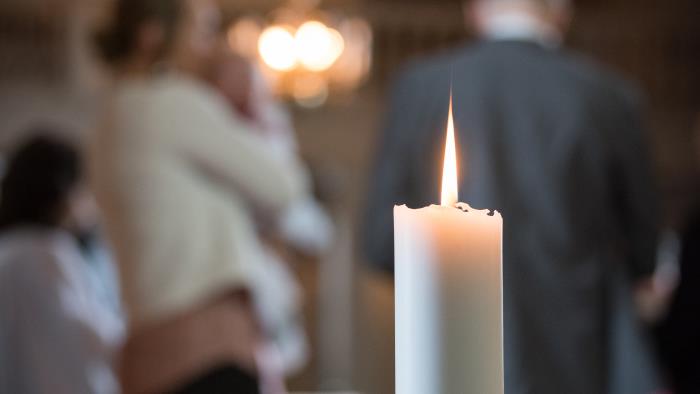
(336, 95)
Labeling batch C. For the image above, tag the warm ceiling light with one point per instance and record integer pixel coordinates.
(317, 47)
(338, 45)
(276, 47)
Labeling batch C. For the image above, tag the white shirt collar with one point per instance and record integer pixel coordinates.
(522, 27)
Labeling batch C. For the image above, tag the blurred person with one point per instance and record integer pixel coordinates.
(56, 335)
(245, 89)
(187, 191)
(304, 227)
(678, 332)
(557, 144)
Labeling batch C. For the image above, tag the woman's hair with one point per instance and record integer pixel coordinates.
(39, 178)
(117, 41)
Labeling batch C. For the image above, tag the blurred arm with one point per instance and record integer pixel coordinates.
(639, 207)
(238, 157)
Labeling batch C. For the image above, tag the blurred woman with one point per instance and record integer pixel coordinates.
(184, 186)
(55, 334)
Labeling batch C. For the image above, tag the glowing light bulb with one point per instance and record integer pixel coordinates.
(317, 46)
(276, 48)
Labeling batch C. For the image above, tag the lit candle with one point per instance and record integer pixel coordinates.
(448, 293)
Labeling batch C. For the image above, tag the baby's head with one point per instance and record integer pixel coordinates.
(234, 78)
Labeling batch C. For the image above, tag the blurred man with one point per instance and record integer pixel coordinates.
(556, 144)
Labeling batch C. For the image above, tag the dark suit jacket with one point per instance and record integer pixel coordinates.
(555, 143)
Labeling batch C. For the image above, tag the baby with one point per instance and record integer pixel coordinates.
(246, 91)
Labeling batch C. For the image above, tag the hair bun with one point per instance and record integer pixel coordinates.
(117, 41)
(112, 45)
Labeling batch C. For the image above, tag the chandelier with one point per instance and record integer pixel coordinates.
(307, 54)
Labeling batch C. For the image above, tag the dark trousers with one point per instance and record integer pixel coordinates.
(227, 379)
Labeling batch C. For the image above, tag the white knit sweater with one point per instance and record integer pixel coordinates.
(179, 179)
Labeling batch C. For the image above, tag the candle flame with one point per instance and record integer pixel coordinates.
(449, 169)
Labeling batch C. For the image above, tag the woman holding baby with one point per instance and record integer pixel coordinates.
(188, 190)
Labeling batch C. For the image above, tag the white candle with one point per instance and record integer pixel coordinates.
(448, 294)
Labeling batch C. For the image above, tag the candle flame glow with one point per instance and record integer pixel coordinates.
(450, 189)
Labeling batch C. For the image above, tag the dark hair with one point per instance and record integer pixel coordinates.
(117, 41)
(38, 180)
